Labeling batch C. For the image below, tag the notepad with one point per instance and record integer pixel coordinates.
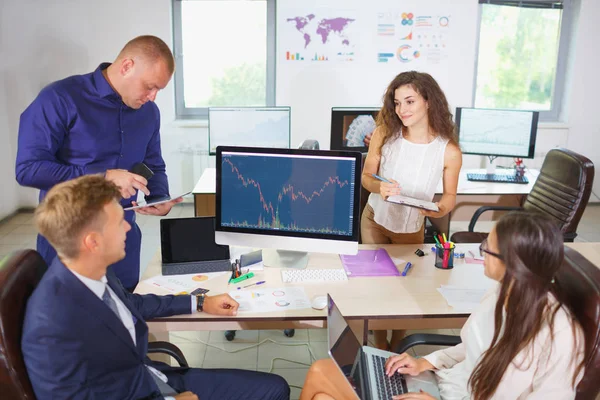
(369, 263)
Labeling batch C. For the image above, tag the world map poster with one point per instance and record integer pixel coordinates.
(314, 37)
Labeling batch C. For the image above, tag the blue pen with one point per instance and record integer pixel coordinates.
(252, 284)
(406, 268)
(380, 178)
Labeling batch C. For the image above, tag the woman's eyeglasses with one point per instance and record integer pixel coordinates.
(483, 250)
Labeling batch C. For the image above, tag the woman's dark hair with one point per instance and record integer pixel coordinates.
(531, 245)
(438, 113)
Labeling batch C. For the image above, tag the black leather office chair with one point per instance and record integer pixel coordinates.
(20, 272)
(562, 191)
(578, 275)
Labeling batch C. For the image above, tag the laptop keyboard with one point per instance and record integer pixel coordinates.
(387, 386)
(196, 268)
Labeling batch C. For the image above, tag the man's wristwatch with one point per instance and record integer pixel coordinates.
(200, 302)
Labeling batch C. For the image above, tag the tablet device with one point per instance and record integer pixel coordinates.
(411, 202)
(154, 202)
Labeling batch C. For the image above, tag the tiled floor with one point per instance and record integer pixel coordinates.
(288, 357)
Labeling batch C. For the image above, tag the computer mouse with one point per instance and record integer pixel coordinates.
(319, 302)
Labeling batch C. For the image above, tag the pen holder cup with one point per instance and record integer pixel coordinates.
(444, 258)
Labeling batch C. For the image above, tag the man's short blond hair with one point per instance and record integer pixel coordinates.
(151, 48)
(72, 207)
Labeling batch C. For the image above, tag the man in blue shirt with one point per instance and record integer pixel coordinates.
(102, 122)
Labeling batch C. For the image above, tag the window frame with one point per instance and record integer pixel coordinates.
(564, 41)
(183, 112)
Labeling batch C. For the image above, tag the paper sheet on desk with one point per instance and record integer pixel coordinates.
(271, 299)
(461, 298)
(182, 283)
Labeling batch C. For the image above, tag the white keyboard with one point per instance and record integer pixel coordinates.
(313, 275)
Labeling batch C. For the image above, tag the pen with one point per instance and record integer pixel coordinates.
(252, 284)
(406, 268)
(380, 178)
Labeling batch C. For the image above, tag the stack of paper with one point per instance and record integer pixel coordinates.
(462, 299)
(271, 299)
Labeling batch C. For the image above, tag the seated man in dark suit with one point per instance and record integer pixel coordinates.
(84, 336)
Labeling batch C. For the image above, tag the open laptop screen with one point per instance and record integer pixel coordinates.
(190, 239)
(344, 347)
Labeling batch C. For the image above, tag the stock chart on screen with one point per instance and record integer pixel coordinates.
(284, 192)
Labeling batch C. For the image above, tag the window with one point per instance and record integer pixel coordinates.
(224, 51)
(522, 55)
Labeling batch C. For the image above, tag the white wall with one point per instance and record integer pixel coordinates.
(583, 104)
(41, 42)
(313, 88)
(44, 41)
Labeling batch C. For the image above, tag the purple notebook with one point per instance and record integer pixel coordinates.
(369, 263)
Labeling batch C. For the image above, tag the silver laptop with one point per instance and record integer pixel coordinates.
(188, 247)
(363, 366)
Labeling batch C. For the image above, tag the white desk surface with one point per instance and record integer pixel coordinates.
(395, 297)
(414, 295)
(207, 184)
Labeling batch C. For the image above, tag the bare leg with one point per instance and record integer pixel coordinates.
(322, 396)
(397, 336)
(381, 340)
(325, 381)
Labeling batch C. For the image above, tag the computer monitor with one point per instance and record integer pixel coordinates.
(291, 200)
(350, 126)
(497, 133)
(248, 126)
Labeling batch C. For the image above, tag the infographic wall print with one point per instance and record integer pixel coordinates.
(411, 37)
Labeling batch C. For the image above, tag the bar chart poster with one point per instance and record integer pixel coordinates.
(318, 35)
(288, 193)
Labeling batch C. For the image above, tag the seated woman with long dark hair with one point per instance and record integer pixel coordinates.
(523, 341)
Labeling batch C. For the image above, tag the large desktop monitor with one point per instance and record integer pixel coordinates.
(291, 200)
(350, 127)
(248, 126)
(497, 133)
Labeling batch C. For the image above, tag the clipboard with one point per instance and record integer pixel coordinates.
(412, 202)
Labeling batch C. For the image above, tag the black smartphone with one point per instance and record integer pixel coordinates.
(142, 170)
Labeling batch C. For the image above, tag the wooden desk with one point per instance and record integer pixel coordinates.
(410, 302)
(204, 193)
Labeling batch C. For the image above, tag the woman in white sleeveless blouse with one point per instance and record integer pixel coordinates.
(413, 146)
(524, 341)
